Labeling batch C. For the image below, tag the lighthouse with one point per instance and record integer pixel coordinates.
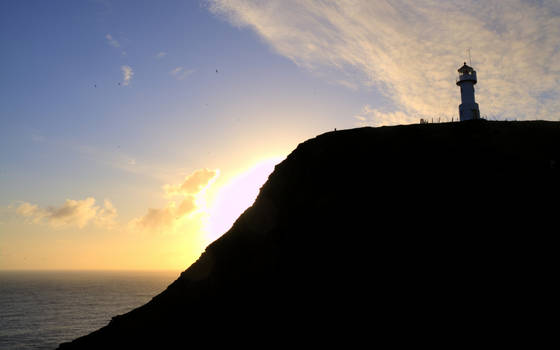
(468, 109)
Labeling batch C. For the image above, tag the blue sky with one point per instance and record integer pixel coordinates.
(54, 54)
(71, 132)
(104, 103)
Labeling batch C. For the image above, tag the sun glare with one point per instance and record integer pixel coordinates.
(236, 195)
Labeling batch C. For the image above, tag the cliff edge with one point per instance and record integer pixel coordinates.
(400, 233)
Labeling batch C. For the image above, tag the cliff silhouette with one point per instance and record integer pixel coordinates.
(398, 233)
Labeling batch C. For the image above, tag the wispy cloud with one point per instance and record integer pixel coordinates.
(194, 183)
(72, 213)
(127, 74)
(410, 51)
(115, 157)
(161, 55)
(376, 117)
(157, 219)
(181, 73)
(112, 41)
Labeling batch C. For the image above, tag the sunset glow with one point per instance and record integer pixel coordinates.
(134, 133)
(233, 197)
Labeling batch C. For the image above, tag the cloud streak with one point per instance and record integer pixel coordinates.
(113, 42)
(77, 213)
(410, 51)
(127, 74)
(181, 73)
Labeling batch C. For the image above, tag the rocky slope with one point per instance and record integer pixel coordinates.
(394, 233)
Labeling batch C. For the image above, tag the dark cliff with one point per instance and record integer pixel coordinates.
(399, 233)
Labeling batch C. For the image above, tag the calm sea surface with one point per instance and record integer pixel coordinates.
(39, 310)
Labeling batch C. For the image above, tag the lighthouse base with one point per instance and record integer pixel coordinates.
(468, 111)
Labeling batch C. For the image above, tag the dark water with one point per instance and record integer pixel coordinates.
(39, 310)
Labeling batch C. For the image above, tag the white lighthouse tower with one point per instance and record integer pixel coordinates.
(468, 109)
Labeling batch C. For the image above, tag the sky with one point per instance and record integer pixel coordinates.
(133, 133)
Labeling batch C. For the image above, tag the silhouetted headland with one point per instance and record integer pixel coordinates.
(405, 233)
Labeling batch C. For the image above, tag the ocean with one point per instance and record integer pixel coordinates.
(40, 310)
